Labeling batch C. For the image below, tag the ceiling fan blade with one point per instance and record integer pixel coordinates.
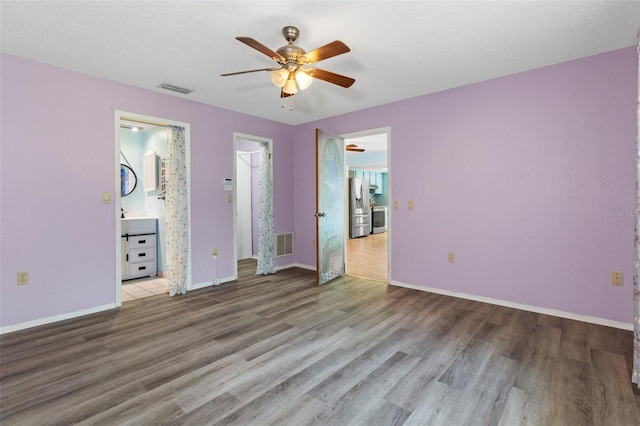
(331, 77)
(330, 50)
(262, 49)
(284, 95)
(246, 72)
(353, 147)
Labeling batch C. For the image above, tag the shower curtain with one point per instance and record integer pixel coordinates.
(265, 215)
(176, 211)
(635, 378)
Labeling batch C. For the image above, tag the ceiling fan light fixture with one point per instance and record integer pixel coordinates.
(290, 87)
(288, 75)
(279, 77)
(303, 79)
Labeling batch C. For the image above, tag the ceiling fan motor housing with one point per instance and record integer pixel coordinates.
(291, 52)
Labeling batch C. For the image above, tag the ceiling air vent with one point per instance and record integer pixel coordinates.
(174, 88)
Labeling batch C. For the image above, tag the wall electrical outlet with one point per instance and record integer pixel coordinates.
(23, 278)
(616, 278)
(214, 251)
(451, 257)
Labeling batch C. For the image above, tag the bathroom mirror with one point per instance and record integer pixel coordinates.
(128, 180)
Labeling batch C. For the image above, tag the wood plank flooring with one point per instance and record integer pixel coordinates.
(367, 256)
(277, 350)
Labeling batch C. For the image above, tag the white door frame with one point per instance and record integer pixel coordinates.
(123, 115)
(237, 136)
(387, 131)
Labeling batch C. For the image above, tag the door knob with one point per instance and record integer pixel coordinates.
(319, 214)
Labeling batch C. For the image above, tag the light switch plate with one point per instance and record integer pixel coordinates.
(106, 198)
(396, 205)
(410, 204)
(451, 257)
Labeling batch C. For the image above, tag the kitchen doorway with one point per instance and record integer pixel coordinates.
(369, 256)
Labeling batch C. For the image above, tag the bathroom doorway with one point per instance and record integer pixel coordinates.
(141, 262)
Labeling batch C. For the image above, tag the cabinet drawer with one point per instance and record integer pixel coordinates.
(142, 254)
(142, 269)
(139, 241)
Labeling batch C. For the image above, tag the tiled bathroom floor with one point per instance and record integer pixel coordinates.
(145, 287)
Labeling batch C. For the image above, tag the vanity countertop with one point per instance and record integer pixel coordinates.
(138, 225)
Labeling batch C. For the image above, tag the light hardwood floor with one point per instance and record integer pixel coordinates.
(277, 350)
(367, 256)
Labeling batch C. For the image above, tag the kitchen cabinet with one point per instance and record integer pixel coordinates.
(138, 248)
(374, 178)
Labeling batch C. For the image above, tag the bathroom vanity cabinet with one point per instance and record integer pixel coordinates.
(138, 248)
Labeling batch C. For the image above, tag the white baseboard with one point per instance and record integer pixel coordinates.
(295, 265)
(530, 308)
(55, 318)
(211, 284)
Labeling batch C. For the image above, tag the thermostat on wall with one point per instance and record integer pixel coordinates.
(228, 184)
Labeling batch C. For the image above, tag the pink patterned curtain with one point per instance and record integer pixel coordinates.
(635, 378)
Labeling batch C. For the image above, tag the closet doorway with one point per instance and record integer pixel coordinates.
(140, 148)
(247, 173)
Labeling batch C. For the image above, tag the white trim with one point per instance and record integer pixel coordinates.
(55, 318)
(211, 284)
(295, 265)
(364, 133)
(122, 115)
(529, 308)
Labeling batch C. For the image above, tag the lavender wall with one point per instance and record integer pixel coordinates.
(57, 141)
(529, 179)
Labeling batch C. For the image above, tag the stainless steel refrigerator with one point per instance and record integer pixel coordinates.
(359, 208)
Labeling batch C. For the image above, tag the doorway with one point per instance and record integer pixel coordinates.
(141, 145)
(369, 256)
(247, 168)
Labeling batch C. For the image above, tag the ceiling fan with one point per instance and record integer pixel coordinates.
(290, 74)
(353, 147)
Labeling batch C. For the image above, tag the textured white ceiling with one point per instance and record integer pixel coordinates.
(399, 49)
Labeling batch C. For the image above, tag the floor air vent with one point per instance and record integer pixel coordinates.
(284, 244)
